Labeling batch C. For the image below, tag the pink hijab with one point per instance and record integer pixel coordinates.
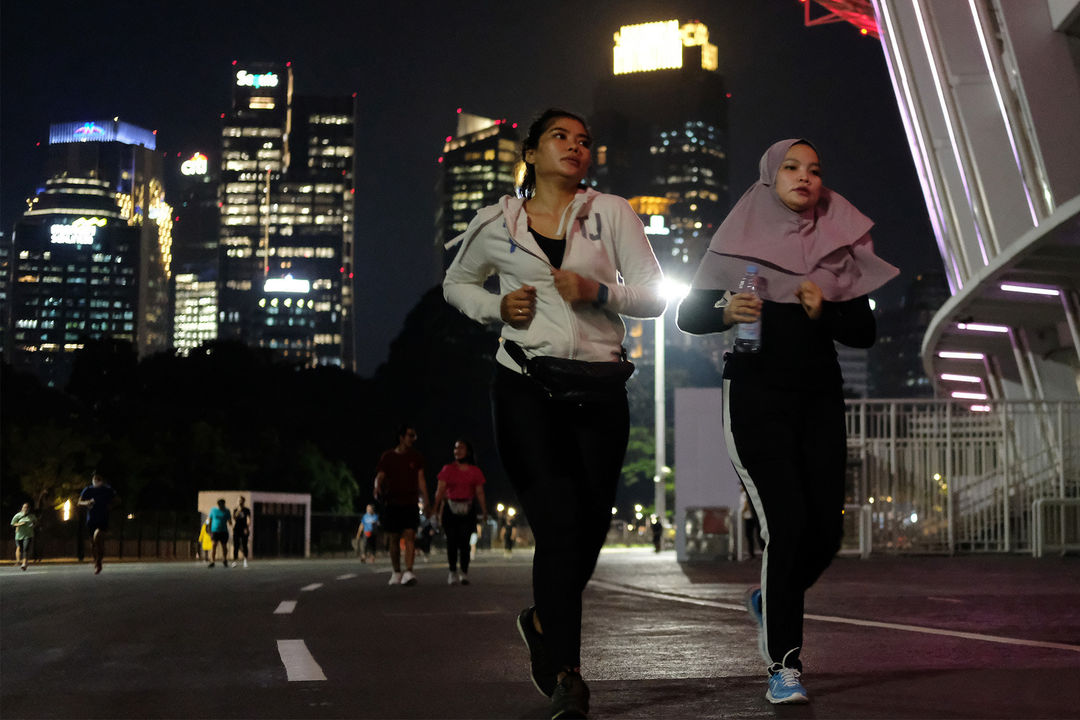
(829, 244)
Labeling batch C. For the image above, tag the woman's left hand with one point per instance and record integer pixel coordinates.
(573, 288)
(810, 296)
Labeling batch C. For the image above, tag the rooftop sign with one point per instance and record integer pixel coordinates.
(659, 46)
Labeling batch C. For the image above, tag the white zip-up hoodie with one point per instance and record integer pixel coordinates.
(605, 242)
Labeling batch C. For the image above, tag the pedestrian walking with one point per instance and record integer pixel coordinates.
(460, 490)
(205, 541)
(657, 528)
(570, 261)
(220, 518)
(399, 481)
(365, 534)
(509, 533)
(97, 498)
(783, 398)
(23, 522)
(241, 533)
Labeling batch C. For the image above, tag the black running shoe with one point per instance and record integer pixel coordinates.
(571, 698)
(542, 670)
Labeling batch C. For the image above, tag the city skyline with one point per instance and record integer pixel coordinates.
(828, 83)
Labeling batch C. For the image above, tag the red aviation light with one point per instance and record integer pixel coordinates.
(234, 62)
(449, 138)
(440, 159)
(459, 111)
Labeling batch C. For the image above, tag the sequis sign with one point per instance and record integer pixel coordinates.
(246, 79)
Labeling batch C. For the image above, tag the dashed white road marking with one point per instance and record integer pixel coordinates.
(312, 586)
(346, 576)
(843, 621)
(286, 607)
(300, 666)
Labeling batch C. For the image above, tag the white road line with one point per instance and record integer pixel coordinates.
(346, 576)
(738, 607)
(312, 586)
(300, 666)
(286, 607)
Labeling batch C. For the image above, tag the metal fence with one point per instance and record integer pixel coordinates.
(134, 536)
(942, 476)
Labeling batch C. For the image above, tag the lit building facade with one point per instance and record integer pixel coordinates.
(91, 257)
(989, 94)
(195, 251)
(287, 211)
(478, 167)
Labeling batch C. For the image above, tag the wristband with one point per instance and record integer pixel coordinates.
(601, 295)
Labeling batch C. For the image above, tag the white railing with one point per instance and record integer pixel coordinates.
(941, 477)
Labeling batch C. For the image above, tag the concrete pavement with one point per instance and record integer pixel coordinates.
(918, 637)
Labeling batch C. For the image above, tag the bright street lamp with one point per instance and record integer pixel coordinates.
(673, 291)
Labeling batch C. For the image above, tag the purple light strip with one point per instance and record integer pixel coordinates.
(935, 76)
(917, 143)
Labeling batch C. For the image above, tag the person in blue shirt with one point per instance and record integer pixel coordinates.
(96, 498)
(220, 519)
(366, 533)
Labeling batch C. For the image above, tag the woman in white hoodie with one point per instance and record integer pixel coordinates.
(570, 261)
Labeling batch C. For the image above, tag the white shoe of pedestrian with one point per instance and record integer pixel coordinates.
(463, 578)
(234, 563)
(452, 578)
(408, 578)
(245, 562)
(395, 578)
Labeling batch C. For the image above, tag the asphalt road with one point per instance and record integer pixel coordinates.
(969, 637)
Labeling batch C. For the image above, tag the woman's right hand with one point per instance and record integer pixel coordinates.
(742, 308)
(518, 307)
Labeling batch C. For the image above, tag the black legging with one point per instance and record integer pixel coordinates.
(564, 462)
(458, 528)
(790, 450)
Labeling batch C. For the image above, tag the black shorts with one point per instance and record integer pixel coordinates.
(221, 536)
(398, 518)
(93, 524)
(23, 543)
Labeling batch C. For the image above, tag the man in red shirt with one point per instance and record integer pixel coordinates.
(399, 482)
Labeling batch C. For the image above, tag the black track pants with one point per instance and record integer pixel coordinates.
(564, 462)
(458, 528)
(790, 450)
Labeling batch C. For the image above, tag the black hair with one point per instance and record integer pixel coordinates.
(403, 429)
(532, 141)
(469, 456)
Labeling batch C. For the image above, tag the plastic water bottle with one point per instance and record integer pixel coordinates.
(748, 335)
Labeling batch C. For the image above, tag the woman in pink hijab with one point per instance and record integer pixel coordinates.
(784, 403)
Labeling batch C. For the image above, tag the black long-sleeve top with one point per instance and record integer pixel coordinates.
(796, 352)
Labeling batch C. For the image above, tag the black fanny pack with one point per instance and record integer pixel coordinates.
(575, 381)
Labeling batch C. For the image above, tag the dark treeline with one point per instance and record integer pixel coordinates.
(226, 417)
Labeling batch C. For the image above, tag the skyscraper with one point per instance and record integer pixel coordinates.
(478, 164)
(287, 215)
(195, 251)
(91, 257)
(661, 124)
(660, 120)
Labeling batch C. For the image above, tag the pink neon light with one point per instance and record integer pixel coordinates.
(1030, 289)
(960, 378)
(980, 408)
(982, 327)
(956, 355)
(969, 396)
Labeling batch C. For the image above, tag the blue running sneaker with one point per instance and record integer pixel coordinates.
(753, 606)
(785, 688)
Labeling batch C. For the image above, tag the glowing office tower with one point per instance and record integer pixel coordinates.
(287, 215)
(195, 250)
(661, 125)
(477, 164)
(91, 256)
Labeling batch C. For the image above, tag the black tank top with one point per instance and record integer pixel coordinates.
(553, 248)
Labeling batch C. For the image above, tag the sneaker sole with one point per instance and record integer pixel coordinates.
(521, 632)
(796, 699)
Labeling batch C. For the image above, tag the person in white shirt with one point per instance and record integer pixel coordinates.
(570, 261)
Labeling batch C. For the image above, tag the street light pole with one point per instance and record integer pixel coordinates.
(660, 424)
(674, 292)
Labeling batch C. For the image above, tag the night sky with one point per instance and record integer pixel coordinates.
(167, 66)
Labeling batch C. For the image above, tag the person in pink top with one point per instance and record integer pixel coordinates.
(461, 483)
